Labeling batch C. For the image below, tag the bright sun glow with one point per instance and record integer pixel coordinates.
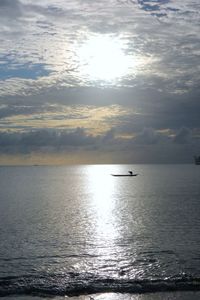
(103, 58)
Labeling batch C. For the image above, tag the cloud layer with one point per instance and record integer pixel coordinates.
(48, 99)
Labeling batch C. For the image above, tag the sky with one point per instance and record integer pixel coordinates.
(88, 81)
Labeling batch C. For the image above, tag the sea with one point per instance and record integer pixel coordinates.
(78, 232)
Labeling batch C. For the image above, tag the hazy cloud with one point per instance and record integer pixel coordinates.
(183, 136)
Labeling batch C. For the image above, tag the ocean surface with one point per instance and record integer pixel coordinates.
(78, 231)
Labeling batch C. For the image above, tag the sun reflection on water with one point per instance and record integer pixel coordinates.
(102, 187)
(109, 236)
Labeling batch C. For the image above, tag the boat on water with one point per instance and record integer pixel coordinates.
(130, 174)
(197, 160)
(124, 175)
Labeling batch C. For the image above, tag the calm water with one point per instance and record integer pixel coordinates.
(78, 230)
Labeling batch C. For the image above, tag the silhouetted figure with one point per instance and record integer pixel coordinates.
(130, 172)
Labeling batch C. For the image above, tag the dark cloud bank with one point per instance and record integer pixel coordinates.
(148, 146)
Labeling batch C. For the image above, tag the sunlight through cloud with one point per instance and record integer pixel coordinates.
(103, 57)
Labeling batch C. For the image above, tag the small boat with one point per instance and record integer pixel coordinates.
(125, 175)
(197, 160)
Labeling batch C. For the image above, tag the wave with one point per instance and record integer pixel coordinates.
(74, 284)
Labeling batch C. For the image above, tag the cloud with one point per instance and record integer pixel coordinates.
(10, 8)
(183, 136)
(42, 86)
(155, 7)
(95, 119)
(78, 137)
(133, 112)
(47, 40)
(48, 140)
(61, 146)
(147, 136)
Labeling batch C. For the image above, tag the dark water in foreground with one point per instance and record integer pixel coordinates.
(78, 230)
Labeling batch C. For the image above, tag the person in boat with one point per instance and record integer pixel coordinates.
(130, 172)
